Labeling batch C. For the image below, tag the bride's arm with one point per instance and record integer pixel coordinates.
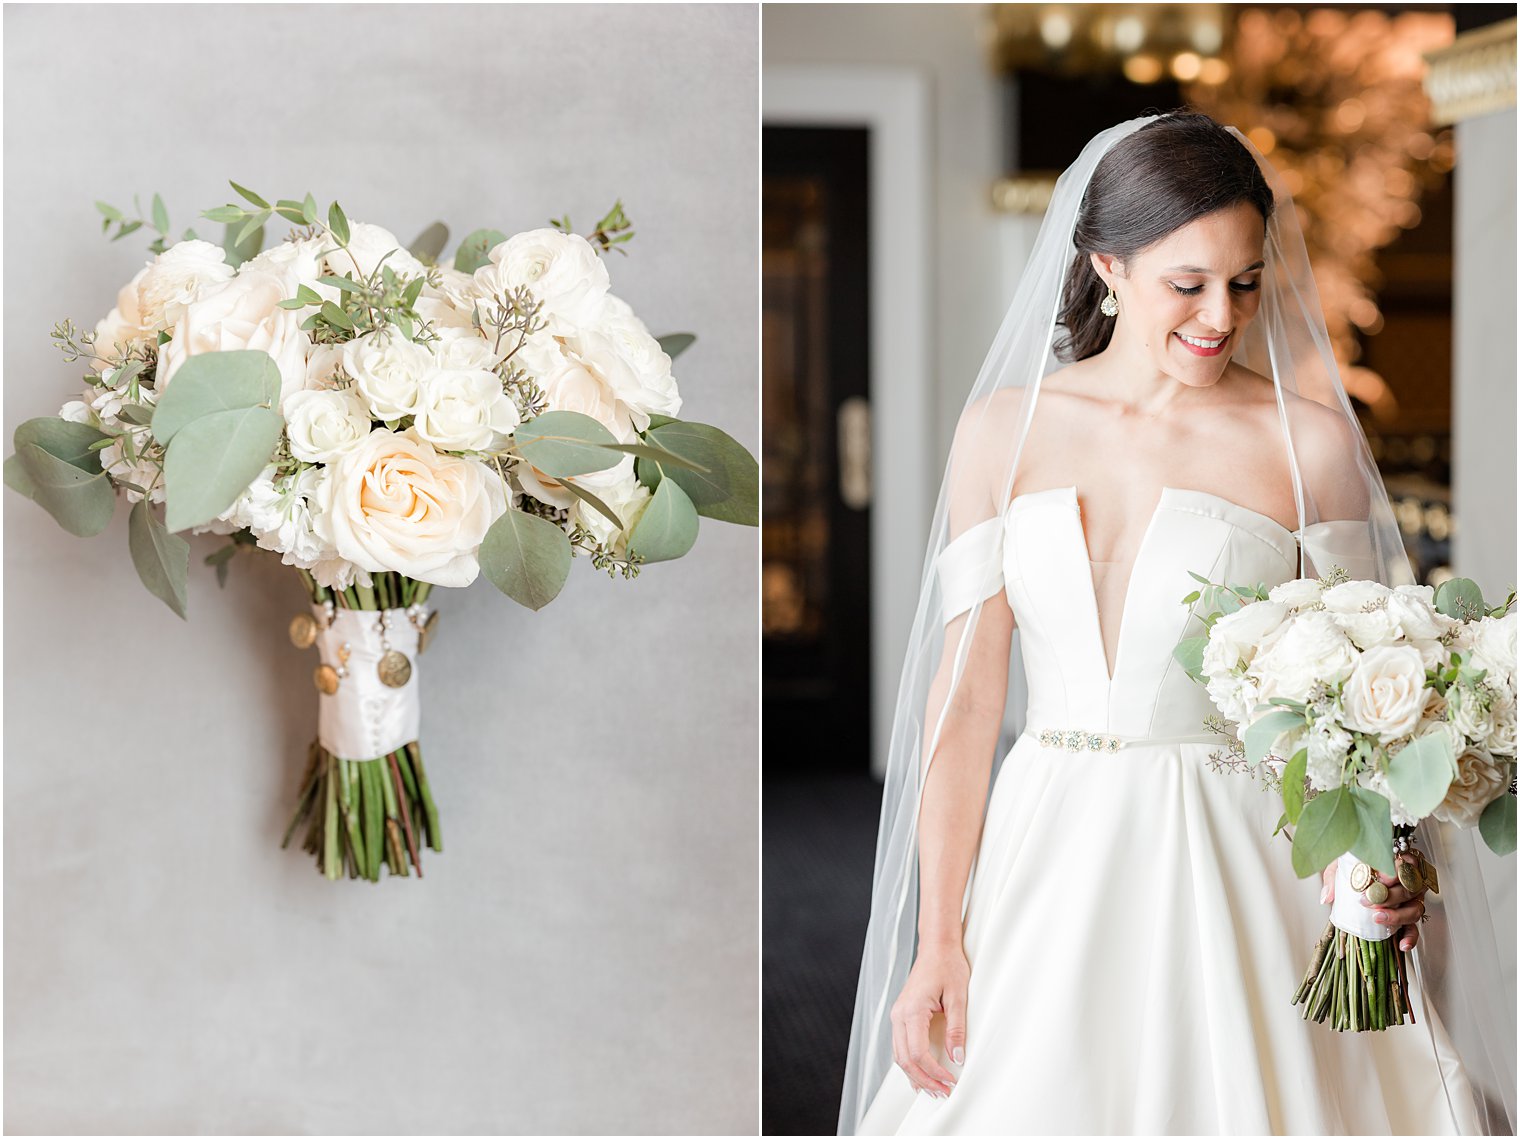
(963, 715)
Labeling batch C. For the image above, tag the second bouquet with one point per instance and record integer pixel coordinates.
(385, 423)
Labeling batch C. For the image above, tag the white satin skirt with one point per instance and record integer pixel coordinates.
(1135, 938)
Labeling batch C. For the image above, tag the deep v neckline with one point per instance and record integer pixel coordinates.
(1278, 529)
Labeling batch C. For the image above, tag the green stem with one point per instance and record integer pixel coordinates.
(330, 859)
(435, 835)
(366, 596)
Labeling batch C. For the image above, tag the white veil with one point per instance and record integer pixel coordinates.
(1344, 517)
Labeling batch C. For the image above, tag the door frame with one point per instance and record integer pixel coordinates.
(893, 104)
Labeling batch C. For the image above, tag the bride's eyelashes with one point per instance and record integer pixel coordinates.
(1238, 286)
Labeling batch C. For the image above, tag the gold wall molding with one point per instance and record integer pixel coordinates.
(1474, 76)
(1023, 194)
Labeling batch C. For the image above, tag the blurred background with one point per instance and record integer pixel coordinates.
(909, 151)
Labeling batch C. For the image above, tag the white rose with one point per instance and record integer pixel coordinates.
(465, 411)
(1465, 712)
(1310, 647)
(459, 350)
(1234, 638)
(628, 499)
(1479, 781)
(451, 304)
(389, 370)
(534, 482)
(1327, 744)
(178, 277)
(1296, 593)
(322, 366)
(656, 393)
(123, 326)
(1385, 693)
(243, 313)
(1501, 740)
(562, 270)
(367, 248)
(322, 425)
(1360, 607)
(1494, 648)
(395, 504)
(1412, 609)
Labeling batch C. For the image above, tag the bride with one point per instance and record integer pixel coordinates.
(1108, 941)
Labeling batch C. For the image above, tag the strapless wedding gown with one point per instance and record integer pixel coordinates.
(1135, 933)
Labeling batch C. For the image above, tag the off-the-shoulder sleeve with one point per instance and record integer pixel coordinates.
(1347, 544)
(970, 567)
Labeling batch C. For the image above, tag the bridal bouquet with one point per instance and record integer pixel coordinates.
(385, 423)
(1391, 705)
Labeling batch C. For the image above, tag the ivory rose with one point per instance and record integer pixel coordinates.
(1311, 647)
(395, 504)
(389, 370)
(1479, 781)
(123, 326)
(243, 313)
(1385, 693)
(465, 410)
(325, 424)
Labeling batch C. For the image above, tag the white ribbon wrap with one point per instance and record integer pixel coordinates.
(1347, 911)
(366, 719)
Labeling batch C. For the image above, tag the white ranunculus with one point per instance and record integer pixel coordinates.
(389, 370)
(1234, 638)
(1479, 781)
(465, 411)
(367, 248)
(1296, 592)
(1466, 713)
(627, 499)
(563, 270)
(176, 279)
(1494, 648)
(296, 263)
(656, 393)
(243, 313)
(1360, 607)
(322, 425)
(123, 326)
(396, 504)
(1327, 744)
(636, 394)
(1310, 647)
(1412, 609)
(1385, 693)
(450, 304)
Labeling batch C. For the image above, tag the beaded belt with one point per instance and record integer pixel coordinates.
(1080, 739)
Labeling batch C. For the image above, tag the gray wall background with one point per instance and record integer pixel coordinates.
(583, 957)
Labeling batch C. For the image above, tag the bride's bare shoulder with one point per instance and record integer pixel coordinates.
(1314, 421)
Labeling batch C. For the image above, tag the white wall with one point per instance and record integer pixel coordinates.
(944, 42)
(1484, 411)
(583, 955)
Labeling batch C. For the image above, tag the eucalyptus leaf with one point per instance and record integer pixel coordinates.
(565, 443)
(474, 249)
(16, 477)
(1374, 841)
(1420, 773)
(337, 223)
(74, 443)
(1497, 824)
(1456, 594)
(80, 502)
(1189, 653)
(674, 343)
(1263, 733)
(526, 557)
(655, 454)
(729, 488)
(254, 226)
(231, 215)
(249, 195)
(429, 243)
(1293, 785)
(667, 528)
(162, 559)
(213, 459)
(160, 215)
(1326, 829)
(214, 382)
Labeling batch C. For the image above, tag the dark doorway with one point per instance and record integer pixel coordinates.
(816, 575)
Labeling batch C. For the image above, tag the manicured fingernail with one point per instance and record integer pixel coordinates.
(1380, 916)
(1324, 893)
(1404, 945)
(959, 1055)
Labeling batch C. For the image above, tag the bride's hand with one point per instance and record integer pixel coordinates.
(1402, 907)
(936, 985)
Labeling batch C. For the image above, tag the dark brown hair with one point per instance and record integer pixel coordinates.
(1152, 182)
